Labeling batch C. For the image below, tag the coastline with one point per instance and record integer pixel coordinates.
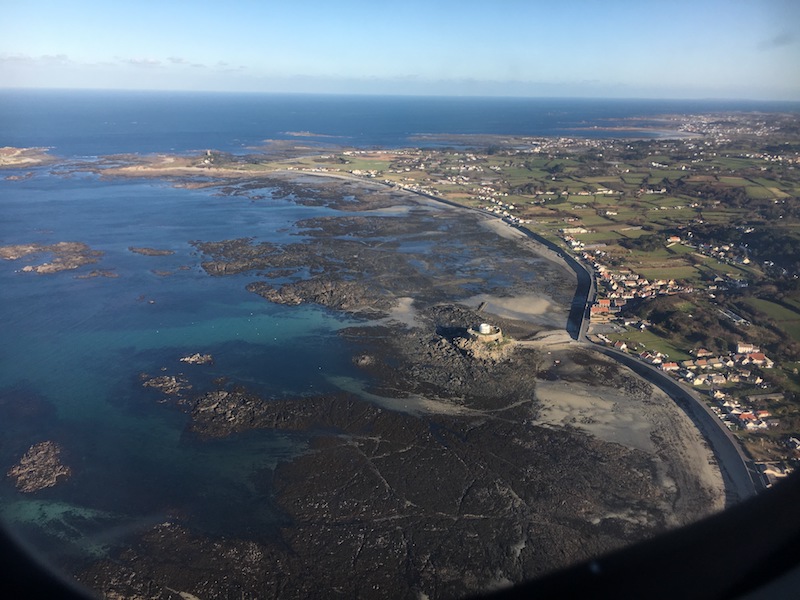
(738, 472)
(532, 312)
(478, 427)
(576, 321)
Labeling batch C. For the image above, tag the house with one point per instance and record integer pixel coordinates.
(746, 417)
(745, 348)
(759, 359)
(653, 359)
(670, 366)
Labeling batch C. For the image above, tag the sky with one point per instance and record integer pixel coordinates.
(562, 48)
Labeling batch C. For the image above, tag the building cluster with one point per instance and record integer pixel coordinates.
(368, 173)
(498, 207)
(728, 253)
(722, 127)
(710, 369)
(707, 368)
(616, 288)
(748, 413)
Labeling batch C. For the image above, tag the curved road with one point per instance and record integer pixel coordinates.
(739, 474)
(741, 478)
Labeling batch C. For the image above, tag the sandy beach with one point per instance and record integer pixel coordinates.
(641, 417)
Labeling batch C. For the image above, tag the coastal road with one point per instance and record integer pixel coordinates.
(741, 478)
(739, 474)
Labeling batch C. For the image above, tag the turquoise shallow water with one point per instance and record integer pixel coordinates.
(73, 350)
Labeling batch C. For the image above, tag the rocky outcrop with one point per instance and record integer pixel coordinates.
(23, 157)
(349, 296)
(198, 359)
(66, 256)
(171, 385)
(150, 251)
(393, 505)
(39, 468)
(223, 412)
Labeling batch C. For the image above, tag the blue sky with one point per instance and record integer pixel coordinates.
(591, 48)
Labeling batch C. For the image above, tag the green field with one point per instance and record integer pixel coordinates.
(687, 273)
(631, 233)
(639, 341)
(787, 319)
(598, 236)
(758, 192)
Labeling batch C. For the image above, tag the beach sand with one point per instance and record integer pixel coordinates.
(644, 418)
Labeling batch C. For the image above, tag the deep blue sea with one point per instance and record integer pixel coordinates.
(90, 123)
(72, 349)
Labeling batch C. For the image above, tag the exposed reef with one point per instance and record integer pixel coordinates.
(445, 476)
(39, 468)
(23, 157)
(198, 359)
(150, 251)
(349, 296)
(442, 469)
(66, 256)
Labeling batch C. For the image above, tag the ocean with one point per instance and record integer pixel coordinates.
(91, 123)
(73, 349)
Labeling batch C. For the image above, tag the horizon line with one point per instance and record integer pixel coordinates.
(393, 94)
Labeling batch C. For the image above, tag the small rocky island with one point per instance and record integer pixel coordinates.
(150, 251)
(39, 468)
(66, 256)
(198, 359)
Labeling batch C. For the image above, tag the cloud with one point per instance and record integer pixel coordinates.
(782, 39)
(44, 59)
(227, 67)
(147, 63)
(219, 66)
